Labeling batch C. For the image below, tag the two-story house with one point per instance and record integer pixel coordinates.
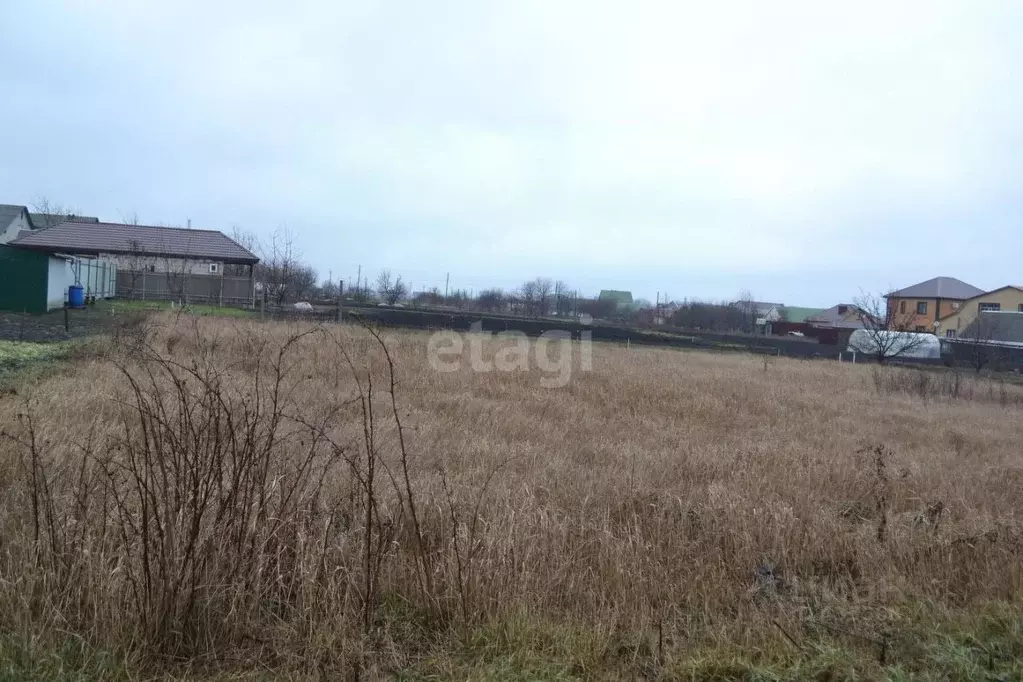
(917, 308)
(1006, 299)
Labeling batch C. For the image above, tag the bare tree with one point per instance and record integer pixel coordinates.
(562, 299)
(459, 298)
(391, 291)
(528, 296)
(279, 265)
(491, 300)
(134, 264)
(889, 334)
(329, 289)
(385, 283)
(177, 272)
(49, 213)
(748, 307)
(597, 307)
(430, 297)
(721, 317)
(248, 241)
(544, 293)
(303, 282)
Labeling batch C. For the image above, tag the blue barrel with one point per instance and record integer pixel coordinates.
(76, 296)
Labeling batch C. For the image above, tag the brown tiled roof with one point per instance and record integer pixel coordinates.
(169, 242)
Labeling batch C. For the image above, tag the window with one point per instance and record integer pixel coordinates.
(950, 333)
(920, 328)
(921, 307)
(214, 267)
(1021, 307)
(902, 307)
(990, 307)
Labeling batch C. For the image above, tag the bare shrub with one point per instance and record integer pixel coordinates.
(220, 506)
(929, 384)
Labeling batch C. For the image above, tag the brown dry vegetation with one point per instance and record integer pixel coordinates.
(221, 497)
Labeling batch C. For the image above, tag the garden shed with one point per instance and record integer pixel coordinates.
(35, 282)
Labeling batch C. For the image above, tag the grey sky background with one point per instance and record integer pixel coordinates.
(802, 150)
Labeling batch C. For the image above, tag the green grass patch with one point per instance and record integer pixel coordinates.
(70, 659)
(984, 642)
(16, 353)
(22, 360)
(116, 307)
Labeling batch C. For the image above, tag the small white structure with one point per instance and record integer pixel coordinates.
(98, 278)
(896, 344)
(303, 307)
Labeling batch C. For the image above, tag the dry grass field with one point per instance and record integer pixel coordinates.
(224, 498)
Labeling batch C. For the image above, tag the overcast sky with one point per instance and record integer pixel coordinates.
(803, 150)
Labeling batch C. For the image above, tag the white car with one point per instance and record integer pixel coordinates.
(303, 307)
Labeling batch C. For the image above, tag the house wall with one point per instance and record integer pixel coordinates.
(1010, 299)
(17, 225)
(97, 277)
(906, 318)
(189, 266)
(60, 275)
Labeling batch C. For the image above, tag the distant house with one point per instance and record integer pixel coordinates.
(1005, 299)
(841, 316)
(15, 219)
(768, 312)
(154, 262)
(763, 313)
(621, 298)
(918, 307)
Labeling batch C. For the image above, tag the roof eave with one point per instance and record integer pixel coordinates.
(126, 252)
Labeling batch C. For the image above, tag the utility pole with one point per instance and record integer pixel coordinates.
(340, 297)
(447, 278)
(358, 282)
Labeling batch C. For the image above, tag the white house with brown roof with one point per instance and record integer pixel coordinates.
(155, 262)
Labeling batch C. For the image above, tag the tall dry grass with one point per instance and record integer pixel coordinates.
(231, 494)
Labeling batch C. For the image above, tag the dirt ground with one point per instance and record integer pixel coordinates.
(49, 327)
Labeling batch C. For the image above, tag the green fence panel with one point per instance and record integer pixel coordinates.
(23, 279)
